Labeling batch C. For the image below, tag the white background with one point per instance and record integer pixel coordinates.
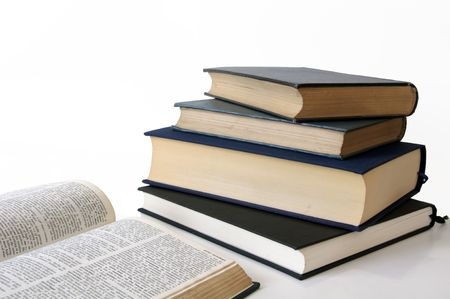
(81, 81)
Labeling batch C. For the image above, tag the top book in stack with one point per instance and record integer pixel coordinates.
(304, 93)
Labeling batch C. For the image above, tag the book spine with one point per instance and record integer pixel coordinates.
(422, 177)
(416, 101)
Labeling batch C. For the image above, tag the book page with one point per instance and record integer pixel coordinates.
(34, 217)
(130, 258)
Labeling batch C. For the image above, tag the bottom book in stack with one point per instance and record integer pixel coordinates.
(296, 247)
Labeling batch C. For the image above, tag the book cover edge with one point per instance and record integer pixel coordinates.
(254, 287)
(298, 85)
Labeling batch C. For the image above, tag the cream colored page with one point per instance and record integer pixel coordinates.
(34, 217)
(130, 258)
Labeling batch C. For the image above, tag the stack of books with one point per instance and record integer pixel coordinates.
(298, 168)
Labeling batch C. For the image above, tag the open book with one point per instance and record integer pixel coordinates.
(60, 241)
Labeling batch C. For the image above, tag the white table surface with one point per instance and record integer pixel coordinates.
(418, 267)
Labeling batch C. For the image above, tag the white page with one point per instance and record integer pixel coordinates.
(131, 258)
(38, 216)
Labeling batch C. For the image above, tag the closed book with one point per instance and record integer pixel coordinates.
(337, 139)
(306, 93)
(296, 247)
(345, 193)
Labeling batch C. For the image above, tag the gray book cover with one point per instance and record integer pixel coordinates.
(215, 105)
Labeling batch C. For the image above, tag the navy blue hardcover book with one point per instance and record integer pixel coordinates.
(275, 179)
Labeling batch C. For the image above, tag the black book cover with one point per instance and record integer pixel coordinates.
(294, 233)
(248, 291)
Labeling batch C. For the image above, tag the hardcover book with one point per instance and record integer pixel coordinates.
(338, 138)
(296, 247)
(306, 93)
(61, 240)
(346, 193)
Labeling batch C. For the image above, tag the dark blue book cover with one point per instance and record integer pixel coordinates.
(359, 164)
